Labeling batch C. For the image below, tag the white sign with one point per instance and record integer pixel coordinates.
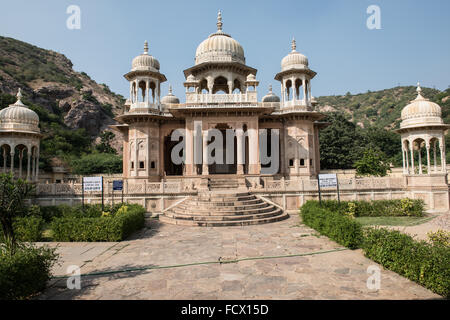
(328, 180)
(92, 183)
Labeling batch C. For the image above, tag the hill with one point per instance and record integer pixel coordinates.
(73, 109)
(381, 108)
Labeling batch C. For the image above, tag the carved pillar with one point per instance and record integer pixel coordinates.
(428, 157)
(12, 162)
(205, 168)
(28, 163)
(411, 147)
(240, 149)
(434, 156)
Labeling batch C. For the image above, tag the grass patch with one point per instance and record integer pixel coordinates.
(393, 221)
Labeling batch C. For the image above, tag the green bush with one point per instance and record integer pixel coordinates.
(342, 229)
(28, 229)
(25, 273)
(378, 208)
(418, 261)
(98, 226)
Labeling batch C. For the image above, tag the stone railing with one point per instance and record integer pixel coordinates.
(344, 184)
(128, 188)
(249, 97)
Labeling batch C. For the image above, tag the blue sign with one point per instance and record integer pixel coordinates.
(117, 185)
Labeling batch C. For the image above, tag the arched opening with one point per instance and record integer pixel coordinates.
(170, 168)
(418, 145)
(237, 86)
(298, 84)
(224, 168)
(204, 86)
(436, 155)
(5, 157)
(142, 91)
(220, 85)
(152, 87)
(288, 89)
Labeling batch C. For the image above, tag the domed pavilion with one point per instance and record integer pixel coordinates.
(19, 140)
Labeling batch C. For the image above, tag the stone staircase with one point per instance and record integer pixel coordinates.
(222, 207)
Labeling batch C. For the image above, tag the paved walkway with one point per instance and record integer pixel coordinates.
(334, 275)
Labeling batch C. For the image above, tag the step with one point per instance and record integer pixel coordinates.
(219, 213)
(190, 202)
(169, 220)
(206, 207)
(274, 212)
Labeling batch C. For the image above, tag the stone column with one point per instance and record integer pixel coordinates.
(407, 160)
(403, 160)
(253, 141)
(147, 93)
(12, 162)
(420, 160)
(296, 158)
(294, 90)
(28, 163)
(304, 90)
(434, 156)
(411, 146)
(37, 166)
(230, 87)
(443, 162)
(240, 149)
(309, 90)
(282, 151)
(205, 168)
(428, 158)
(20, 163)
(136, 159)
(189, 167)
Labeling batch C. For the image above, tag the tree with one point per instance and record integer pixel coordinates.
(97, 163)
(340, 143)
(372, 163)
(105, 143)
(385, 140)
(12, 205)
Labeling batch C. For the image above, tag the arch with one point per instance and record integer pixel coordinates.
(203, 88)
(288, 87)
(237, 86)
(418, 145)
(298, 85)
(152, 86)
(142, 89)
(220, 85)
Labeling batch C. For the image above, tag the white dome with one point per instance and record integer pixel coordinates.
(145, 62)
(170, 98)
(219, 47)
(18, 117)
(270, 97)
(421, 111)
(294, 60)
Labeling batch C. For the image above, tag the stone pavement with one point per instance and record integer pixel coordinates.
(333, 275)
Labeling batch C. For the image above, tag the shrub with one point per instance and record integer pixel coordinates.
(418, 261)
(439, 238)
(377, 208)
(342, 229)
(28, 228)
(26, 272)
(115, 226)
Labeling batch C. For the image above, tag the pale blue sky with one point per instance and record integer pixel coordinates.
(412, 45)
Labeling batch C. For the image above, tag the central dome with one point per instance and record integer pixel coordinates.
(219, 47)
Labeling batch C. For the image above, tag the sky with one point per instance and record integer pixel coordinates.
(412, 44)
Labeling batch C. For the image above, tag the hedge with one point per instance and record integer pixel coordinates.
(109, 227)
(25, 273)
(419, 261)
(378, 208)
(27, 229)
(342, 229)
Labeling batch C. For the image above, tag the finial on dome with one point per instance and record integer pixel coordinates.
(170, 90)
(419, 89)
(294, 45)
(270, 88)
(19, 95)
(146, 47)
(219, 21)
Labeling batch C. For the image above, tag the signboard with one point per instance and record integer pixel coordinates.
(328, 180)
(117, 185)
(92, 183)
